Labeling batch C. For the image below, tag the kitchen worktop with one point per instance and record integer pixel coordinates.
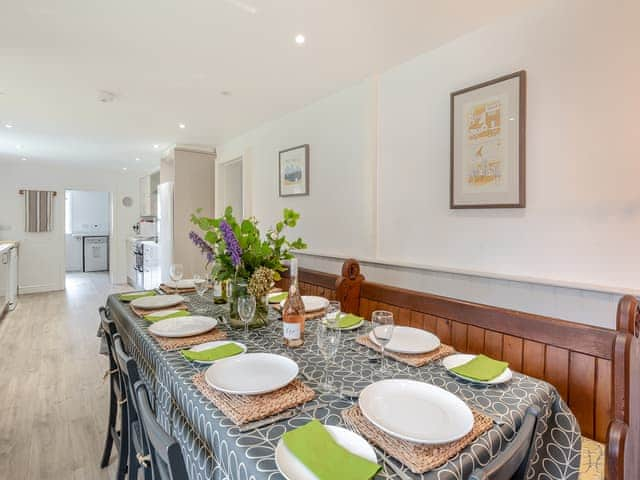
(7, 244)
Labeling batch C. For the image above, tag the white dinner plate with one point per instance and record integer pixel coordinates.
(410, 340)
(252, 373)
(312, 303)
(184, 283)
(217, 343)
(416, 411)
(157, 301)
(179, 327)
(293, 469)
(458, 359)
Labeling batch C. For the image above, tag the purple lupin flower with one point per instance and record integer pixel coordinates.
(233, 247)
(204, 247)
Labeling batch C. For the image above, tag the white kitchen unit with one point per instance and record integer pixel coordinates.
(8, 277)
(95, 253)
(131, 261)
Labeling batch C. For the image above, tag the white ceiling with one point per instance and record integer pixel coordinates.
(167, 61)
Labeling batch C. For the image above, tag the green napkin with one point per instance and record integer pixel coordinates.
(213, 354)
(278, 298)
(318, 451)
(156, 317)
(128, 297)
(349, 320)
(481, 368)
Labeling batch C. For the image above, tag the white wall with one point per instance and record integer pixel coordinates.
(90, 212)
(341, 133)
(42, 265)
(380, 168)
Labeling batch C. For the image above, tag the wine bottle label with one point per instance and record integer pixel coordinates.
(291, 330)
(217, 289)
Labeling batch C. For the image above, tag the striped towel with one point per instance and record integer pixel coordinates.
(38, 211)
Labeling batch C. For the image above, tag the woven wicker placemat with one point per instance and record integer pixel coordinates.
(413, 359)
(417, 457)
(243, 409)
(141, 312)
(307, 316)
(171, 291)
(168, 344)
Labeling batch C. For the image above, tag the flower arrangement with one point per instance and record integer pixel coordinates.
(239, 251)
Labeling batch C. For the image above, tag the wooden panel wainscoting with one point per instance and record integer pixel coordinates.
(579, 360)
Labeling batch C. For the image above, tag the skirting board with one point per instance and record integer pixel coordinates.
(28, 289)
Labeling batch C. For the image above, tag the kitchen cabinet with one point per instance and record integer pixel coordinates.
(4, 280)
(148, 186)
(131, 262)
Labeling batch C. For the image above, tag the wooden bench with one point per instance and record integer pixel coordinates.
(596, 370)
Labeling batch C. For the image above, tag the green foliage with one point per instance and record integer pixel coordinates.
(257, 251)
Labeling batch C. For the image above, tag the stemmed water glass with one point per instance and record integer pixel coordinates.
(332, 313)
(328, 338)
(382, 323)
(246, 310)
(201, 284)
(176, 271)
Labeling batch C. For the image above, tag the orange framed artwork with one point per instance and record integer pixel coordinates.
(488, 123)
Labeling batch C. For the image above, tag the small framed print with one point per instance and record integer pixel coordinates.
(488, 144)
(293, 171)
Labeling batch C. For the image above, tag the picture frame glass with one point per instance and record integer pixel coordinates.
(293, 171)
(486, 163)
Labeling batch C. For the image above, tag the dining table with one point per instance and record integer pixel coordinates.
(214, 447)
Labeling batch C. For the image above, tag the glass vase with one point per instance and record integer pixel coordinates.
(237, 289)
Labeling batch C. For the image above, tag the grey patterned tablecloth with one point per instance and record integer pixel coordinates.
(214, 448)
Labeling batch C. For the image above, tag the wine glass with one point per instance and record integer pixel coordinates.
(328, 338)
(201, 284)
(382, 323)
(246, 309)
(332, 313)
(176, 271)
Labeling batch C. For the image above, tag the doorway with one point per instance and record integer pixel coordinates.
(87, 231)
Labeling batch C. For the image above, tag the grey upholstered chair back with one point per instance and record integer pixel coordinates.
(166, 455)
(512, 463)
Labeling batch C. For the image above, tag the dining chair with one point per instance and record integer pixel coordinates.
(166, 457)
(513, 461)
(138, 445)
(115, 436)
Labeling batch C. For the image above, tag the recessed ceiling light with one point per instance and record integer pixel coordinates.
(225, 93)
(137, 159)
(182, 125)
(124, 168)
(156, 146)
(299, 39)
(8, 125)
(23, 159)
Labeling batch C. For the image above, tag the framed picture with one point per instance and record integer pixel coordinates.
(488, 144)
(293, 171)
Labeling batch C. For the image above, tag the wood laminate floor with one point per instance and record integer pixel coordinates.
(53, 402)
